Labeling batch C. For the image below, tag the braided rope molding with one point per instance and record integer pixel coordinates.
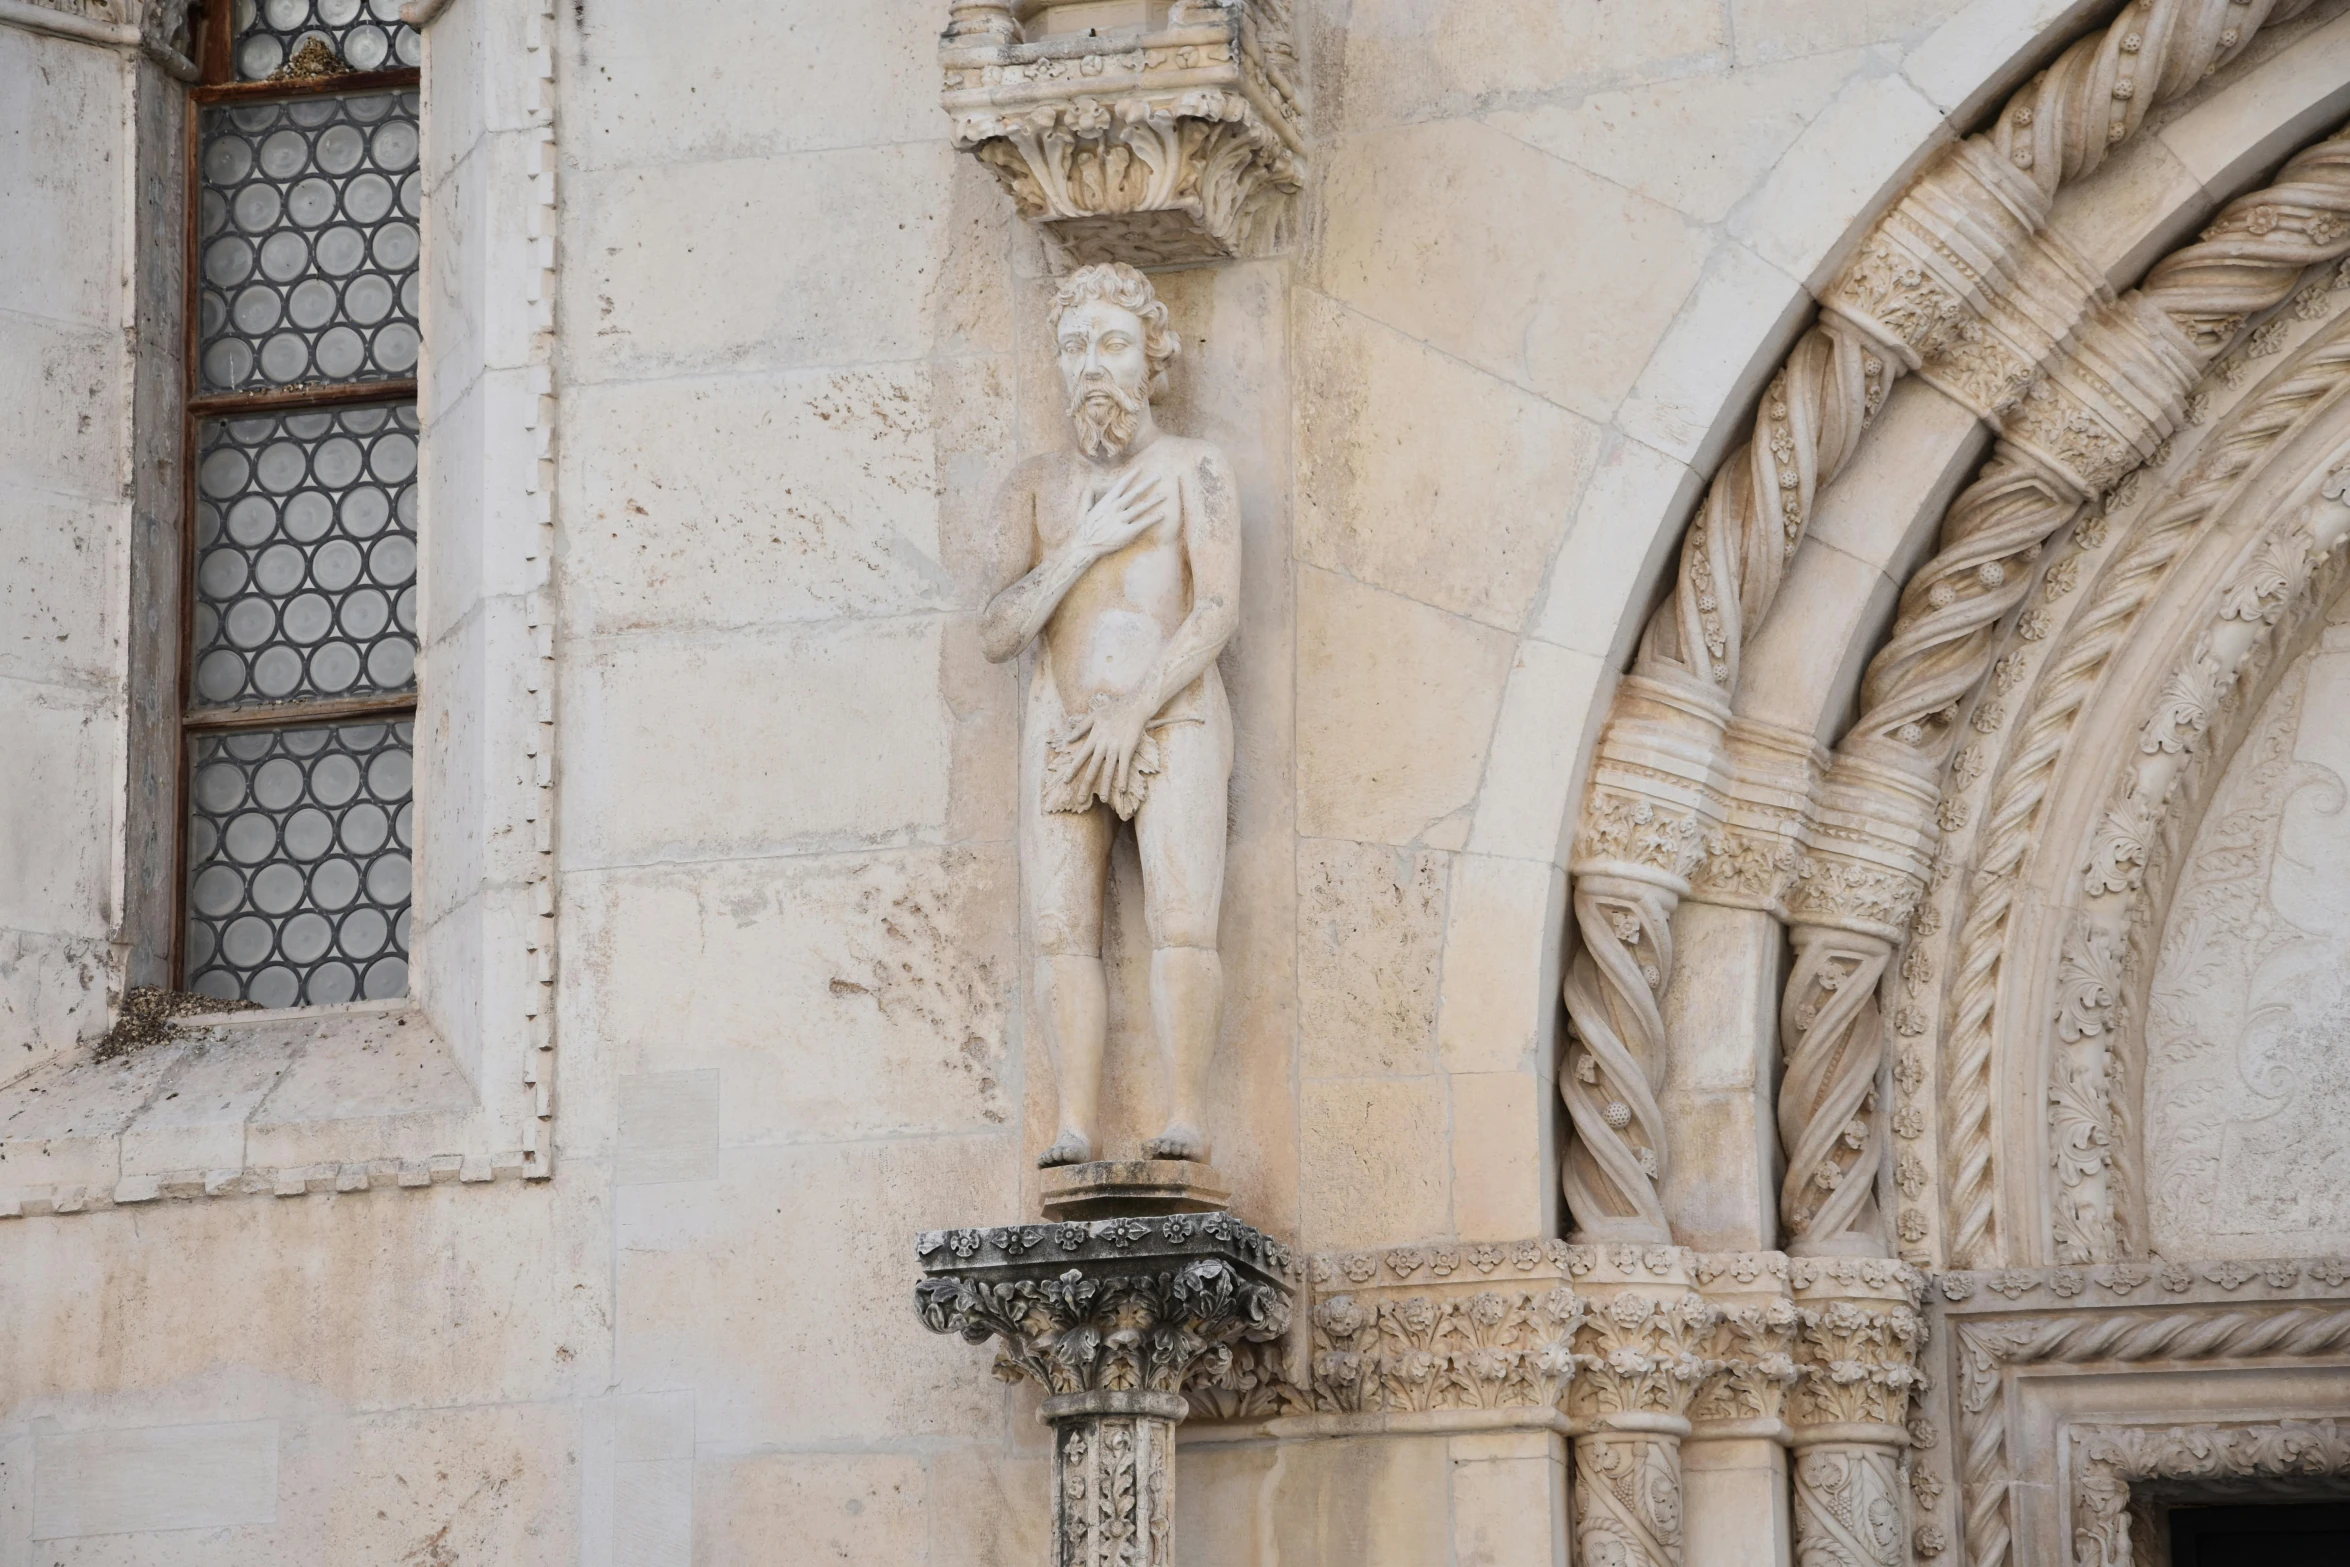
(1999, 867)
(1987, 1349)
(1661, 751)
(2018, 787)
(2133, 368)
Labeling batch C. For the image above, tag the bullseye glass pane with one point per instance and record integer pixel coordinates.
(303, 40)
(305, 552)
(308, 244)
(299, 863)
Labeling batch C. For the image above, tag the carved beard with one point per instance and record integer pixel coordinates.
(1105, 428)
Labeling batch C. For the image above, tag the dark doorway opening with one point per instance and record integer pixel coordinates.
(2286, 1535)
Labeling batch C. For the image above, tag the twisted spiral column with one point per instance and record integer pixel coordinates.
(1733, 559)
(2189, 310)
(1617, 1063)
(1835, 1143)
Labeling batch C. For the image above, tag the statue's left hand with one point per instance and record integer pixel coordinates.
(1112, 731)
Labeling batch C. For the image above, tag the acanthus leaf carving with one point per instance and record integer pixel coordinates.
(1155, 147)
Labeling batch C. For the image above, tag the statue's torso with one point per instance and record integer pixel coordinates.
(1110, 628)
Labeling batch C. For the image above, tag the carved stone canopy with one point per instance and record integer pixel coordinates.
(1156, 132)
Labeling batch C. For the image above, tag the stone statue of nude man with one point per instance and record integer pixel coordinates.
(1123, 559)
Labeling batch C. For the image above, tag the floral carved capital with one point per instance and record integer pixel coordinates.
(1113, 1306)
(1638, 1353)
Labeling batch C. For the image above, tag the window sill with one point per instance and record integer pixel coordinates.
(324, 1099)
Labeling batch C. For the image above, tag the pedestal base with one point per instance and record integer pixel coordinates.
(1117, 1188)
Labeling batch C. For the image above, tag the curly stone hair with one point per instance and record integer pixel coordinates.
(1119, 284)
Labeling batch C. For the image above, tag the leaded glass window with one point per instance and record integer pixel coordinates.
(299, 669)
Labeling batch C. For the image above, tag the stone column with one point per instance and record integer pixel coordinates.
(1110, 1317)
(1639, 1361)
(1857, 1346)
(1735, 1460)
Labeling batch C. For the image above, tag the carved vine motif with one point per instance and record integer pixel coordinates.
(1615, 1061)
(1811, 422)
(1114, 1492)
(1835, 1142)
(2224, 932)
(1848, 1508)
(2109, 1460)
(1628, 1500)
(2088, 987)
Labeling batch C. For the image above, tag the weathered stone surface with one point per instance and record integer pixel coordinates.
(719, 915)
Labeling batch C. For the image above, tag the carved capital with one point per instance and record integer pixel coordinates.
(1754, 1365)
(1642, 1354)
(1466, 1347)
(1116, 1305)
(1152, 145)
(1860, 1333)
(1871, 852)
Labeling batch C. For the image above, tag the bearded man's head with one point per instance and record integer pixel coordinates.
(1114, 343)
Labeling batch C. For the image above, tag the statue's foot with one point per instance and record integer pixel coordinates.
(1071, 1148)
(1178, 1142)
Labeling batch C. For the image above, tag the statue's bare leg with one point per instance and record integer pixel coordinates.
(1187, 1007)
(1067, 861)
(1075, 1004)
(1180, 834)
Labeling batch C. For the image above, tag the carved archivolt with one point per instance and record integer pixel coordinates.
(1958, 284)
(2098, 606)
(2146, 625)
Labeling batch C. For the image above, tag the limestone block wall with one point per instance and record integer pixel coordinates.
(791, 342)
(69, 298)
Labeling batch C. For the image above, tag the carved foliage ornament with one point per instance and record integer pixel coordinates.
(1155, 145)
(2229, 1460)
(1115, 1305)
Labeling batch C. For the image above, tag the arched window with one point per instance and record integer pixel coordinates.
(298, 669)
